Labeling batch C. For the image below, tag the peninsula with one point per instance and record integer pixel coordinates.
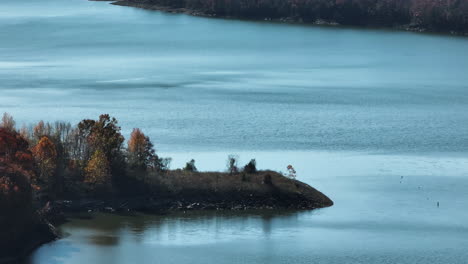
(51, 170)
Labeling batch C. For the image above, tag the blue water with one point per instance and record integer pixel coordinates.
(353, 110)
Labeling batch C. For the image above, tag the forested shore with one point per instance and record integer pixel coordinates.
(49, 170)
(448, 16)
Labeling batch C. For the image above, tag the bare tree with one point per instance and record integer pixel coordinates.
(8, 122)
(232, 164)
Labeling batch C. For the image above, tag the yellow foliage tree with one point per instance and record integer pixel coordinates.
(97, 172)
(45, 155)
(137, 142)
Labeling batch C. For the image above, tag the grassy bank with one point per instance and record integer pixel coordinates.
(180, 190)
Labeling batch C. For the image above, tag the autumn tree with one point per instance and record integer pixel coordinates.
(16, 168)
(41, 130)
(141, 154)
(24, 132)
(97, 172)
(45, 155)
(14, 152)
(104, 135)
(8, 123)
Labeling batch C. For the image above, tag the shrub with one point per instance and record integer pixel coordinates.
(251, 167)
(190, 166)
(162, 164)
(291, 172)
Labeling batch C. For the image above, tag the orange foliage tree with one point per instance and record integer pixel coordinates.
(45, 155)
(141, 154)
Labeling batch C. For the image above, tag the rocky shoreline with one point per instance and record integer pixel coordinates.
(412, 27)
(306, 198)
(59, 210)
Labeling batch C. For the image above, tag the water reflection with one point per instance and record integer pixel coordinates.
(180, 227)
(106, 233)
(104, 240)
(374, 218)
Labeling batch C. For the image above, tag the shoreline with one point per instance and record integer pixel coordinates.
(43, 233)
(211, 191)
(286, 20)
(43, 179)
(263, 191)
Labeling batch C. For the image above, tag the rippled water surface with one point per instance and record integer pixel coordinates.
(375, 119)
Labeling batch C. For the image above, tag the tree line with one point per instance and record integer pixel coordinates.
(58, 160)
(83, 159)
(435, 15)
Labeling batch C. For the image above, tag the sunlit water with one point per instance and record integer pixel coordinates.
(377, 120)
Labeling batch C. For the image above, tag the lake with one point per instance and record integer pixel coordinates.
(375, 119)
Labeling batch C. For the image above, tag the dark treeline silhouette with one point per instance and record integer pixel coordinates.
(433, 15)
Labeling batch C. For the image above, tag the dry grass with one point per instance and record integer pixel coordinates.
(263, 187)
